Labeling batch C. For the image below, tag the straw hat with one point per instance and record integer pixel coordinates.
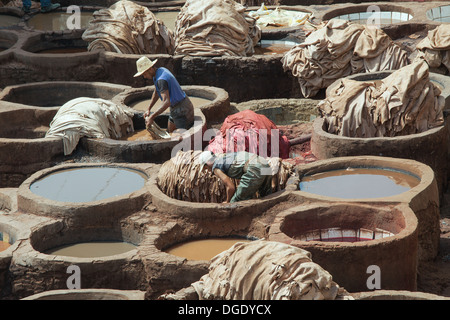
(143, 64)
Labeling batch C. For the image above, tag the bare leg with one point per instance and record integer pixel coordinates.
(171, 126)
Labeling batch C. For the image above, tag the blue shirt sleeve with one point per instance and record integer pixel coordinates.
(162, 85)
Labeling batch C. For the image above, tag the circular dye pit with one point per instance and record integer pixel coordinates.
(25, 123)
(88, 184)
(181, 251)
(271, 47)
(99, 193)
(56, 93)
(439, 14)
(43, 44)
(8, 20)
(106, 255)
(24, 148)
(325, 145)
(203, 249)
(92, 249)
(59, 21)
(422, 198)
(283, 111)
(345, 239)
(343, 235)
(359, 183)
(85, 242)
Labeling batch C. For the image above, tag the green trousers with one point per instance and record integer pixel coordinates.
(254, 177)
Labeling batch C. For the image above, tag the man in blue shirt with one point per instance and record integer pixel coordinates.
(169, 91)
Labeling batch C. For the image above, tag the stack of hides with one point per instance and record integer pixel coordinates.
(89, 117)
(404, 103)
(340, 48)
(267, 270)
(435, 48)
(128, 28)
(215, 28)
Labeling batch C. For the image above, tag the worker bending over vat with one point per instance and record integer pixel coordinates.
(254, 172)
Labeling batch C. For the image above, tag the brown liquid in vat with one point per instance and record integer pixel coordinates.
(271, 48)
(358, 183)
(141, 135)
(57, 21)
(203, 249)
(92, 249)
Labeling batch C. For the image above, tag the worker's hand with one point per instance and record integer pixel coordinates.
(148, 121)
(146, 114)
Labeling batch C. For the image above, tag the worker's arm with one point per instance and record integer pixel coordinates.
(152, 103)
(229, 185)
(165, 104)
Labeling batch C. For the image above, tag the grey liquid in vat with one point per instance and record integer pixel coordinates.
(359, 183)
(88, 184)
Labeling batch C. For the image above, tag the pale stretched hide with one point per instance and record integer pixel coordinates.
(266, 270)
(180, 178)
(128, 28)
(89, 117)
(435, 48)
(338, 49)
(404, 103)
(279, 17)
(215, 28)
